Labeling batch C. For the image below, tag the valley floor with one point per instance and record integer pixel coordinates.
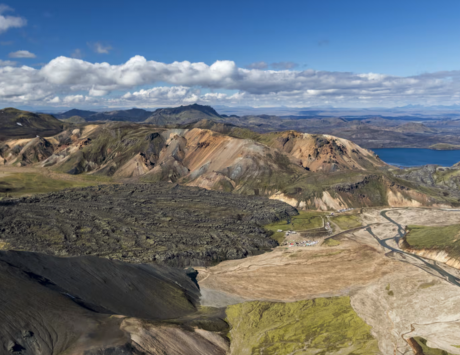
(403, 297)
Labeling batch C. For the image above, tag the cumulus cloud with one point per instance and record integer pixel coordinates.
(100, 48)
(97, 92)
(7, 22)
(175, 95)
(22, 54)
(75, 81)
(74, 99)
(257, 65)
(284, 65)
(54, 100)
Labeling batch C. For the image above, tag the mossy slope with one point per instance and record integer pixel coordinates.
(437, 238)
(320, 326)
(347, 221)
(429, 351)
(20, 184)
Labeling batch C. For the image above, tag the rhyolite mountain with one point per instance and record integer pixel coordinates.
(305, 170)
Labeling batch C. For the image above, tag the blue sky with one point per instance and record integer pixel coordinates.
(394, 38)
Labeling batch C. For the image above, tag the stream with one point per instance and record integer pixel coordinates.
(383, 242)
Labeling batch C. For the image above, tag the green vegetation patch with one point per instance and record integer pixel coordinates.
(427, 285)
(303, 221)
(430, 351)
(347, 221)
(443, 238)
(320, 326)
(331, 242)
(20, 184)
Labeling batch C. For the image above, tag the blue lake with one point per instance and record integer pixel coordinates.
(417, 157)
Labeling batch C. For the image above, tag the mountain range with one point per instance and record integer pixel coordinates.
(370, 131)
(306, 170)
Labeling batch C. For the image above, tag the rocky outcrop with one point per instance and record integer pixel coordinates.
(447, 179)
(441, 256)
(364, 191)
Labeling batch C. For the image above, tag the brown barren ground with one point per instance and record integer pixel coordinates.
(300, 273)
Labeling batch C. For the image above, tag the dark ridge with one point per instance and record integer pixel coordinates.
(23, 124)
(176, 110)
(47, 303)
(75, 112)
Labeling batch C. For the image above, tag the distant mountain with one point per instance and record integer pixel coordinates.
(182, 115)
(412, 127)
(444, 146)
(73, 119)
(160, 117)
(23, 124)
(132, 115)
(434, 107)
(75, 112)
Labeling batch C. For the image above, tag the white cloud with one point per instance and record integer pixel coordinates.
(7, 22)
(54, 100)
(97, 92)
(77, 81)
(257, 65)
(74, 99)
(5, 63)
(100, 48)
(284, 65)
(160, 95)
(22, 54)
(77, 53)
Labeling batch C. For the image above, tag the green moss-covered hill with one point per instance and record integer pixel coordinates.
(30, 124)
(319, 326)
(445, 238)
